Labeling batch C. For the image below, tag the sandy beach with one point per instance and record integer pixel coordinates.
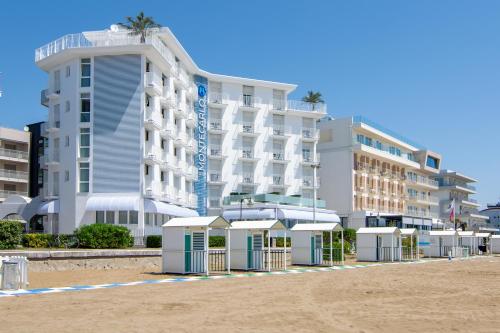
(458, 296)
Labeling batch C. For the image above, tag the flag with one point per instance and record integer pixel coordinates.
(451, 210)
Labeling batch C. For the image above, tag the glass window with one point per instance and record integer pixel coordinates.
(85, 108)
(84, 177)
(85, 72)
(68, 106)
(110, 217)
(66, 141)
(133, 217)
(84, 142)
(146, 169)
(66, 176)
(146, 135)
(68, 71)
(122, 217)
(379, 145)
(147, 218)
(99, 217)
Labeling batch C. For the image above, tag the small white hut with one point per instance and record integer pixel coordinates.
(495, 244)
(411, 252)
(247, 245)
(443, 243)
(378, 244)
(185, 245)
(468, 240)
(307, 244)
(482, 241)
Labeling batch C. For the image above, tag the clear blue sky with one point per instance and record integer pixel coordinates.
(427, 69)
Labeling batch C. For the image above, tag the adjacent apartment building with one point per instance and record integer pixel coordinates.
(137, 133)
(14, 162)
(375, 177)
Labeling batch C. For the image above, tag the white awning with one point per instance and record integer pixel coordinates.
(152, 206)
(466, 233)
(379, 231)
(280, 214)
(199, 221)
(317, 227)
(100, 203)
(50, 207)
(443, 233)
(408, 231)
(258, 225)
(483, 234)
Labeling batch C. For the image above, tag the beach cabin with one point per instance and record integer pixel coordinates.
(378, 244)
(482, 241)
(308, 248)
(185, 246)
(495, 244)
(468, 241)
(410, 251)
(247, 245)
(443, 243)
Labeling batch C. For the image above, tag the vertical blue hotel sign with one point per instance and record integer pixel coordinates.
(201, 135)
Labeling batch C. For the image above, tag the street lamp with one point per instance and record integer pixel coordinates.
(249, 202)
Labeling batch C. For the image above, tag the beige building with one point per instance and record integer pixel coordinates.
(375, 177)
(14, 162)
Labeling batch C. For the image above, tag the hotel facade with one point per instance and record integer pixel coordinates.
(137, 133)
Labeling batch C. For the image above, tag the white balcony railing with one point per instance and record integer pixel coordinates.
(247, 153)
(214, 176)
(6, 194)
(216, 98)
(308, 181)
(215, 150)
(278, 155)
(309, 158)
(247, 178)
(22, 155)
(278, 180)
(304, 106)
(278, 130)
(248, 127)
(22, 175)
(215, 124)
(309, 133)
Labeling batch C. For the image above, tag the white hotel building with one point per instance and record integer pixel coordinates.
(137, 133)
(377, 177)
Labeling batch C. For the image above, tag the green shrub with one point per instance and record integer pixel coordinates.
(104, 236)
(336, 254)
(10, 234)
(153, 241)
(279, 242)
(38, 240)
(217, 241)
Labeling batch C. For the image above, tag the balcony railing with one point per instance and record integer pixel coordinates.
(278, 130)
(278, 155)
(19, 154)
(248, 127)
(247, 178)
(308, 158)
(421, 180)
(214, 176)
(6, 194)
(216, 98)
(309, 133)
(215, 124)
(215, 150)
(14, 174)
(464, 185)
(308, 181)
(278, 180)
(305, 106)
(247, 153)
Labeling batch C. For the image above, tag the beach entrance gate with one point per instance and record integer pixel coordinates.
(468, 242)
(411, 252)
(378, 244)
(483, 242)
(443, 244)
(248, 251)
(185, 247)
(495, 244)
(308, 247)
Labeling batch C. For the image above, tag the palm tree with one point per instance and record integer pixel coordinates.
(140, 26)
(313, 98)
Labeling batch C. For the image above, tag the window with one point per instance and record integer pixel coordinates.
(66, 176)
(148, 66)
(85, 72)
(67, 106)
(99, 216)
(146, 135)
(66, 141)
(175, 151)
(68, 71)
(57, 82)
(162, 144)
(162, 176)
(122, 217)
(110, 217)
(432, 162)
(133, 217)
(84, 177)
(146, 169)
(84, 142)
(85, 108)
(360, 138)
(378, 145)
(148, 100)
(162, 113)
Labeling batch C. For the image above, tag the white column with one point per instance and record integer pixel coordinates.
(269, 250)
(228, 251)
(331, 248)
(400, 247)
(392, 248)
(284, 256)
(411, 247)
(206, 251)
(342, 246)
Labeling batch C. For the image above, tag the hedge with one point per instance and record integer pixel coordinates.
(10, 234)
(216, 241)
(38, 240)
(104, 236)
(153, 241)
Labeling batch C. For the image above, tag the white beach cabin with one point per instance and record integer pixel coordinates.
(443, 243)
(378, 244)
(467, 240)
(482, 241)
(495, 244)
(247, 245)
(411, 252)
(185, 246)
(307, 244)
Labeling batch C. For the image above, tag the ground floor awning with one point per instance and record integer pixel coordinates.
(49, 207)
(280, 214)
(113, 203)
(153, 206)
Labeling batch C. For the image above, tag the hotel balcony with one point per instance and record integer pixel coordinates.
(214, 202)
(310, 134)
(247, 179)
(423, 199)
(191, 145)
(180, 109)
(279, 181)
(53, 157)
(249, 103)
(308, 182)
(167, 98)
(171, 163)
(217, 100)
(54, 124)
(192, 90)
(279, 156)
(44, 98)
(458, 186)
(5, 194)
(215, 177)
(191, 117)
(181, 139)
(169, 130)
(279, 132)
(215, 126)
(152, 119)
(215, 152)
(280, 106)
(422, 182)
(247, 154)
(309, 160)
(14, 155)
(248, 129)
(152, 83)
(419, 213)
(16, 176)
(191, 173)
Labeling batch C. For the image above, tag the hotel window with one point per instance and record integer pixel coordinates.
(66, 141)
(148, 100)
(122, 217)
(85, 72)
(110, 217)
(84, 142)
(162, 113)
(99, 216)
(57, 81)
(66, 176)
(378, 145)
(68, 71)
(360, 138)
(162, 144)
(148, 66)
(85, 108)
(146, 135)
(84, 177)
(146, 169)
(67, 107)
(133, 217)
(162, 176)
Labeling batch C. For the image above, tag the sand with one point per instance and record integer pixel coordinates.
(458, 296)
